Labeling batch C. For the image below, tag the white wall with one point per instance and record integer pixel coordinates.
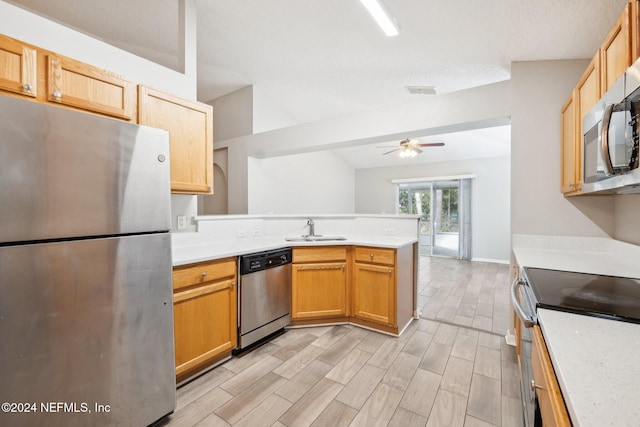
(267, 115)
(233, 114)
(308, 183)
(36, 30)
(489, 204)
(627, 218)
(539, 89)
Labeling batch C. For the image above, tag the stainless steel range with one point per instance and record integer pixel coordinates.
(609, 297)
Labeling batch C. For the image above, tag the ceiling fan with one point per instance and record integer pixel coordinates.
(410, 147)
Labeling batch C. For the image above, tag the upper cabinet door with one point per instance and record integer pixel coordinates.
(570, 153)
(616, 50)
(75, 84)
(634, 19)
(18, 66)
(190, 126)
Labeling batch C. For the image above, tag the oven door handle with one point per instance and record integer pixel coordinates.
(528, 320)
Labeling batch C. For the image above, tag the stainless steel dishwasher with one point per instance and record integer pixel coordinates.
(265, 295)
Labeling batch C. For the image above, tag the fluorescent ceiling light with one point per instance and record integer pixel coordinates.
(382, 16)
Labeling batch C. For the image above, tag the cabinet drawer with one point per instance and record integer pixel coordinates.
(376, 255)
(322, 254)
(195, 274)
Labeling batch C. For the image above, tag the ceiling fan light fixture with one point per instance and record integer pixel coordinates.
(381, 15)
(407, 153)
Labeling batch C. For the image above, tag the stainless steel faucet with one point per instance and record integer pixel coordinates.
(312, 230)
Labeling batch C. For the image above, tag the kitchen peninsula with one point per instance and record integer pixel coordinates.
(355, 269)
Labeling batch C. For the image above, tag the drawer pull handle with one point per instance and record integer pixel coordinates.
(534, 386)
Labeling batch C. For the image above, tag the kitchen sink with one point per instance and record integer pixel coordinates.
(313, 238)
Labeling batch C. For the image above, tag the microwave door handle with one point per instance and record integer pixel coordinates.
(604, 139)
(528, 320)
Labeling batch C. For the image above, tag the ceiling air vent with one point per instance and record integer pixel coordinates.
(421, 90)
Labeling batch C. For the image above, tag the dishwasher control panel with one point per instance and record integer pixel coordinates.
(264, 260)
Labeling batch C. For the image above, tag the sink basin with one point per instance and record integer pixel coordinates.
(313, 238)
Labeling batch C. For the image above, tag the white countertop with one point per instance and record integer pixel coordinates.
(597, 364)
(584, 255)
(596, 360)
(199, 249)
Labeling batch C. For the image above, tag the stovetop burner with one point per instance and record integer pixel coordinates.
(597, 295)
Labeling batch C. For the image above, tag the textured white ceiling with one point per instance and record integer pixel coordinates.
(478, 143)
(317, 59)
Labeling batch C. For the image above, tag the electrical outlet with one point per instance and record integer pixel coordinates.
(242, 233)
(182, 222)
(257, 232)
(390, 231)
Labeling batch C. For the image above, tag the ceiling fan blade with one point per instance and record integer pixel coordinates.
(417, 150)
(389, 152)
(431, 144)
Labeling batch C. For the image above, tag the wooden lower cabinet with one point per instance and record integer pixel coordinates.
(552, 407)
(319, 283)
(374, 293)
(205, 315)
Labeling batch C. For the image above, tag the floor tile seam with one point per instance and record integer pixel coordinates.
(463, 326)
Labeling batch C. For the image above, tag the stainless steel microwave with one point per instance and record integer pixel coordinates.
(611, 132)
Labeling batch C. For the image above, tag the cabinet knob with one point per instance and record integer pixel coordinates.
(27, 87)
(343, 267)
(572, 184)
(204, 274)
(389, 272)
(233, 283)
(371, 256)
(57, 95)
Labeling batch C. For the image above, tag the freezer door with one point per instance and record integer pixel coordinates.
(68, 174)
(86, 332)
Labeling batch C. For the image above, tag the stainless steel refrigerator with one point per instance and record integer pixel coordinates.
(86, 313)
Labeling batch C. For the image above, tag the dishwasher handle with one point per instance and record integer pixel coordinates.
(528, 320)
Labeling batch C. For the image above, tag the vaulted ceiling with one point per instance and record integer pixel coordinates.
(316, 59)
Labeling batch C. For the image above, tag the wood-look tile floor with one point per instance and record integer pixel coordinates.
(437, 374)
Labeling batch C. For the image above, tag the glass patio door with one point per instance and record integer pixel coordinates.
(444, 209)
(445, 234)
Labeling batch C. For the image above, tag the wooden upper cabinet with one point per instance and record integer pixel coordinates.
(588, 90)
(571, 148)
(190, 126)
(75, 84)
(634, 19)
(616, 50)
(18, 68)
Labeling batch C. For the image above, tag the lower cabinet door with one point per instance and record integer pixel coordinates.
(205, 325)
(374, 293)
(319, 290)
